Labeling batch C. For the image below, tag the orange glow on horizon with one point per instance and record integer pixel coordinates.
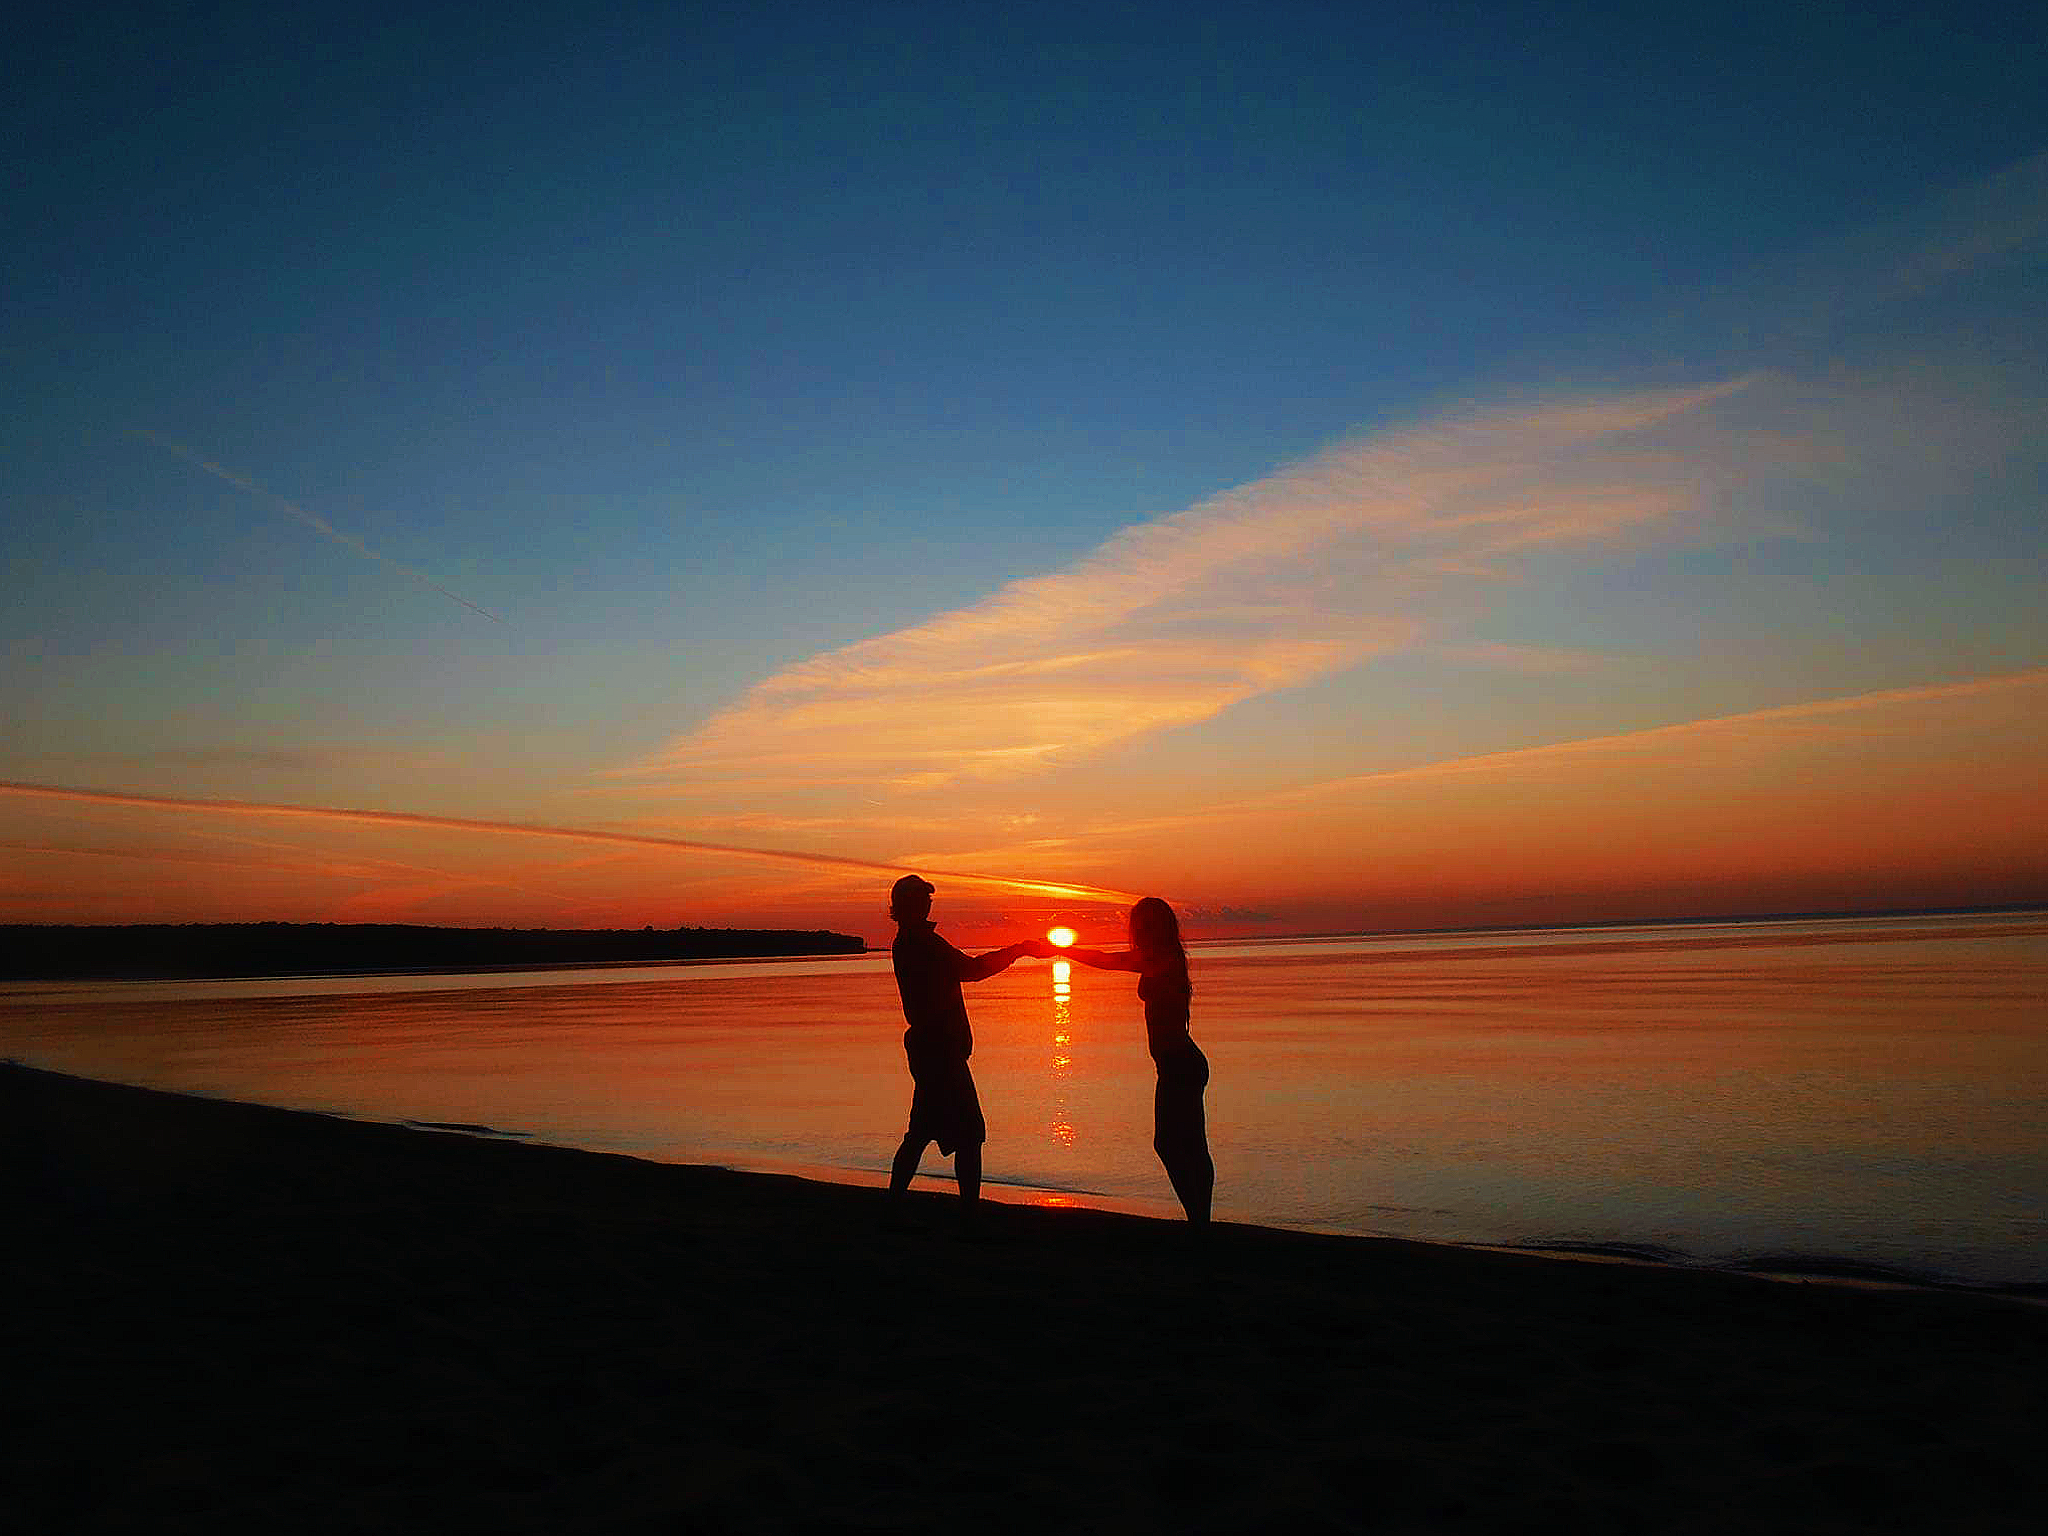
(1902, 798)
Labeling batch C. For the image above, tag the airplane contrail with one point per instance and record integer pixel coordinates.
(1063, 890)
(312, 520)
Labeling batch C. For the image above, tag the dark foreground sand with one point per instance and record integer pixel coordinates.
(220, 1317)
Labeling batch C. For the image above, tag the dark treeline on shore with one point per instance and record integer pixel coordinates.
(133, 950)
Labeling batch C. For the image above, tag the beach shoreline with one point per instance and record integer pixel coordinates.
(935, 1178)
(224, 1313)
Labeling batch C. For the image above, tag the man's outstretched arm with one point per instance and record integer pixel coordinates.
(981, 967)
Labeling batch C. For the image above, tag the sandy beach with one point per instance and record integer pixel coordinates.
(224, 1316)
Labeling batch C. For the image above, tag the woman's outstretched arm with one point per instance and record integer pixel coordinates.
(1103, 959)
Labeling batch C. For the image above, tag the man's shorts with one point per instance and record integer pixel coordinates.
(944, 1106)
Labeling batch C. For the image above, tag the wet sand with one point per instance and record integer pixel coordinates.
(223, 1316)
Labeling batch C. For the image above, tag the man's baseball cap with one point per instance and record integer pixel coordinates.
(908, 887)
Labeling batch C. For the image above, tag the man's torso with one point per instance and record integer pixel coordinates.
(928, 981)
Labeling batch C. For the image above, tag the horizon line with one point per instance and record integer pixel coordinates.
(1817, 914)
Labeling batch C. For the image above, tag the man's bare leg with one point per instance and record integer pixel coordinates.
(904, 1168)
(967, 1168)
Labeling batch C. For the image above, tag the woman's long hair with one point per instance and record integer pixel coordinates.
(1156, 931)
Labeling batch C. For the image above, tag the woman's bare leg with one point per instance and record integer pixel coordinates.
(1180, 1135)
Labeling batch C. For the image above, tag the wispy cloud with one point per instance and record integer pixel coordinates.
(1853, 280)
(154, 855)
(312, 520)
(1924, 795)
(1307, 572)
(315, 864)
(1760, 748)
(364, 867)
(1761, 725)
(1901, 712)
(260, 759)
(1530, 660)
(412, 821)
(1373, 545)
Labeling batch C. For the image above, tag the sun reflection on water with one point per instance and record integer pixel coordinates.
(1062, 1061)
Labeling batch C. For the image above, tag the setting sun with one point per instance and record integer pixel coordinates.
(1060, 936)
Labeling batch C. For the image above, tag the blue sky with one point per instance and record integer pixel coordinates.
(698, 343)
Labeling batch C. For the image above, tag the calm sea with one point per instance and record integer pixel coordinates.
(1861, 1091)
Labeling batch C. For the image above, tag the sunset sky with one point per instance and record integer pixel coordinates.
(1329, 466)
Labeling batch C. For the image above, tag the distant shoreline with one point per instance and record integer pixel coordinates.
(191, 951)
(278, 950)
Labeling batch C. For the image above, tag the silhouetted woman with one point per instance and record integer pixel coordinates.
(1179, 1134)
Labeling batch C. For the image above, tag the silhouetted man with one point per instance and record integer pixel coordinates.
(944, 1107)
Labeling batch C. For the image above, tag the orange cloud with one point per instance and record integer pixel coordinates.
(1899, 796)
(1760, 728)
(1308, 572)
